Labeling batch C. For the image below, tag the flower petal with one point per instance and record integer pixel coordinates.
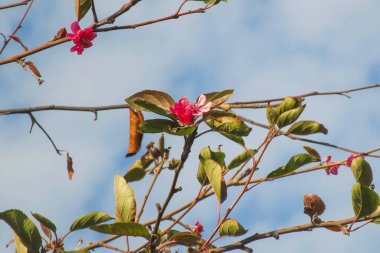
(75, 28)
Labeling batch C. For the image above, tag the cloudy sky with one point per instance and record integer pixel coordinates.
(262, 49)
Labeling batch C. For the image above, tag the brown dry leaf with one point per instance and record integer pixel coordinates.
(70, 169)
(33, 68)
(60, 34)
(135, 137)
(313, 204)
(17, 39)
(46, 231)
(338, 228)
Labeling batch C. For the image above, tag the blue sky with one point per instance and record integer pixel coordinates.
(262, 49)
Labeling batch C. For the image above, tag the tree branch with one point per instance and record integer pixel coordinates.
(299, 228)
(25, 2)
(34, 121)
(19, 25)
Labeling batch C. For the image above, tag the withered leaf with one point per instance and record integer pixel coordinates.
(135, 136)
(33, 68)
(338, 228)
(60, 34)
(70, 169)
(18, 40)
(313, 205)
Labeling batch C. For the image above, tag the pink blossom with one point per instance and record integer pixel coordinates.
(81, 38)
(198, 229)
(186, 111)
(201, 106)
(351, 158)
(333, 169)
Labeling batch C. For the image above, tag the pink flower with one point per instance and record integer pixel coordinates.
(333, 169)
(186, 111)
(198, 229)
(201, 106)
(183, 110)
(81, 38)
(349, 160)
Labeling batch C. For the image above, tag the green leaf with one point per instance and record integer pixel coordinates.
(288, 117)
(272, 115)
(231, 127)
(165, 126)
(125, 207)
(362, 171)
(364, 200)
(81, 8)
(185, 239)
(312, 152)
(231, 227)
(89, 220)
(294, 163)
(45, 221)
(24, 228)
(161, 144)
(123, 228)
(148, 106)
(155, 97)
(207, 153)
(137, 170)
(20, 248)
(306, 127)
(289, 103)
(241, 158)
(218, 98)
(377, 220)
(172, 232)
(215, 177)
(218, 113)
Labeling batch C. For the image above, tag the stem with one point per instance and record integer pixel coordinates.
(185, 154)
(159, 168)
(25, 2)
(268, 140)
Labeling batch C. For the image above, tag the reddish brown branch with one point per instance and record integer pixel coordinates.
(19, 25)
(14, 4)
(108, 20)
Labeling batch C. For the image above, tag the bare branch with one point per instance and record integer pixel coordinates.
(310, 94)
(25, 2)
(299, 228)
(94, 15)
(34, 121)
(19, 25)
(294, 137)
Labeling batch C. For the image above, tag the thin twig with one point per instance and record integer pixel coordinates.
(158, 171)
(109, 20)
(34, 121)
(299, 228)
(294, 137)
(149, 22)
(19, 25)
(105, 245)
(310, 94)
(25, 2)
(185, 154)
(268, 139)
(94, 15)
